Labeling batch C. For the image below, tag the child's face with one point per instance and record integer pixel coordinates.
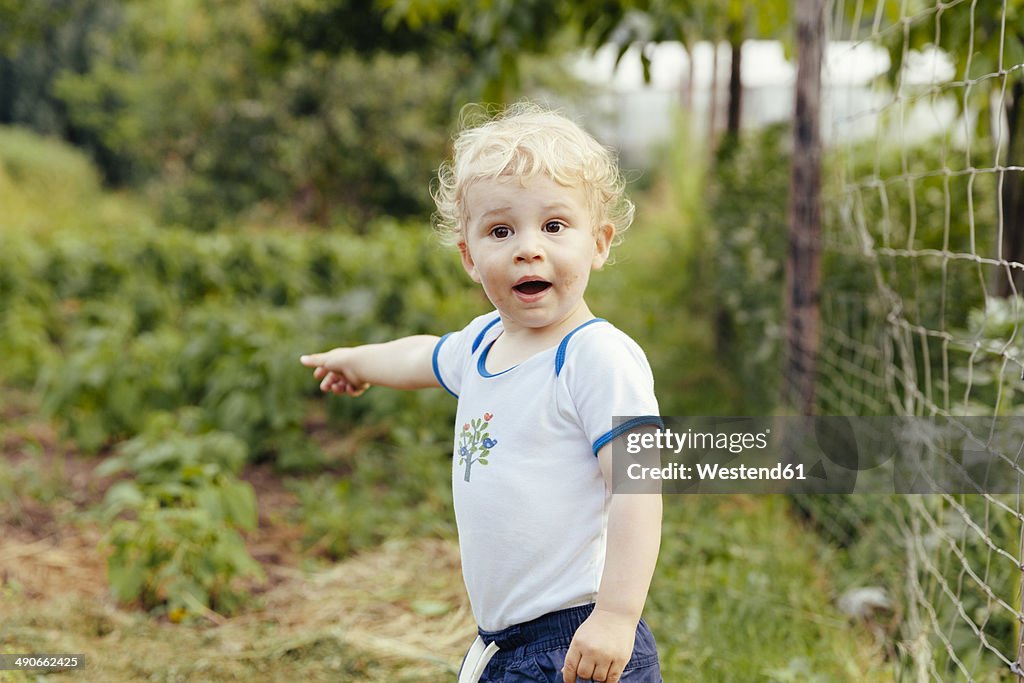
(532, 243)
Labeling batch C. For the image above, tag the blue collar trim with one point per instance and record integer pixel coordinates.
(481, 363)
(564, 346)
(480, 337)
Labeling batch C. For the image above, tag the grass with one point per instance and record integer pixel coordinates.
(370, 618)
(743, 593)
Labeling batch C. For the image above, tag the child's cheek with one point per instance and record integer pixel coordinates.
(488, 292)
(571, 281)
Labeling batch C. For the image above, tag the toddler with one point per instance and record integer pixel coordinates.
(557, 567)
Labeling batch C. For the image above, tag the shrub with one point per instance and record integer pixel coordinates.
(175, 543)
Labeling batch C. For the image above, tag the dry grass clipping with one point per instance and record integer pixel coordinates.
(402, 602)
(397, 613)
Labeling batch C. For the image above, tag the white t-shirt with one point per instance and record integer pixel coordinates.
(530, 503)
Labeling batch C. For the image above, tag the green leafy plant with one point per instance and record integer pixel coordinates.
(112, 329)
(175, 542)
(989, 382)
(183, 470)
(395, 487)
(178, 560)
(745, 254)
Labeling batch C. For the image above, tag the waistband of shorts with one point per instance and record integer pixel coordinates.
(562, 622)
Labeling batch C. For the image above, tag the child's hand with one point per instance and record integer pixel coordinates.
(335, 372)
(601, 648)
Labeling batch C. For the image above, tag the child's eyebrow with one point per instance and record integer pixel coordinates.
(498, 211)
(495, 212)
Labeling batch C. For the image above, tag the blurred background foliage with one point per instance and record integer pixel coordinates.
(195, 192)
(220, 107)
(327, 109)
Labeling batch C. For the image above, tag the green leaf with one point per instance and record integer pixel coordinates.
(89, 430)
(126, 577)
(111, 466)
(210, 500)
(124, 495)
(240, 503)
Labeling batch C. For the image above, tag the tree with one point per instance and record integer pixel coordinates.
(496, 34)
(222, 106)
(40, 41)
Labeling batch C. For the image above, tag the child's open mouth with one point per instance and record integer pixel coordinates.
(531, 287)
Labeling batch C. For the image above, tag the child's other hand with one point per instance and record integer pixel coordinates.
(333, 369)
(601, 648)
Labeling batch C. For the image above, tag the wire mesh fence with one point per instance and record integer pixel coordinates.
(921, 313)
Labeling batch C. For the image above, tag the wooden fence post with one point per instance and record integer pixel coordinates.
(803, 271)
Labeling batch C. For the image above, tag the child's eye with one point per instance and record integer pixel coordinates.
(554, 226)
(500, 232)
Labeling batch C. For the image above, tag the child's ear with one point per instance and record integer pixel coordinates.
(467, 262)
(603, 238)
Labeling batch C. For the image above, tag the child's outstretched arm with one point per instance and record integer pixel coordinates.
(603, 644)
(405, 363)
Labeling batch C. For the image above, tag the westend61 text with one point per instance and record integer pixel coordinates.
(715, 472)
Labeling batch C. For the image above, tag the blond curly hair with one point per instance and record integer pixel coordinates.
(525, 140)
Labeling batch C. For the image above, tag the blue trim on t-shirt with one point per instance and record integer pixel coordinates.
(613, 434)
(437, 370)
(563, 347)
(480, 337)
(481, 363)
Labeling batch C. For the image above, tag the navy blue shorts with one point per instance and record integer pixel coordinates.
(535, 651)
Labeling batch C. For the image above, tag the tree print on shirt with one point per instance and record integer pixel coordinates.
(475, 443)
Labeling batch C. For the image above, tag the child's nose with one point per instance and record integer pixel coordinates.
(528, 247)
